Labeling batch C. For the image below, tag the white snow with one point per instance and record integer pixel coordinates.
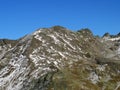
(94, 77)
(54, 38)
(63, 56)
(12, 76)
(37, 32)
(118, 51)
(68, 43)
(56, 64)
(114, 39)
(68, 37)
(101, 67)
(38, 37)
(111, 39)
(35, 59)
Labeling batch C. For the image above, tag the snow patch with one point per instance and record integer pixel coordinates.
(118, 51)
(62, 54)
(111, 39)
(101, 67)
(55, 39)
(69, 44)
(35, 59)
(13, 75)
(38, 37)
(114, 39)
(94, 77)
(37, 32)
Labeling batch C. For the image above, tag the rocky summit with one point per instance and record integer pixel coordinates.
(59, 59)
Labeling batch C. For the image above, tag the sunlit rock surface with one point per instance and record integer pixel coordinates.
(58, 59)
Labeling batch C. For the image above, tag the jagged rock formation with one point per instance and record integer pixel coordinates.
(59, 59)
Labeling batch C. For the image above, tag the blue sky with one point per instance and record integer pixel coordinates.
(20, 17)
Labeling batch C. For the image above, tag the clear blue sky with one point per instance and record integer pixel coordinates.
(20, 17)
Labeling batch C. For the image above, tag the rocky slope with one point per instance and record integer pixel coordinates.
(58, 59)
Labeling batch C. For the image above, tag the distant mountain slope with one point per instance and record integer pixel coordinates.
(58, 59)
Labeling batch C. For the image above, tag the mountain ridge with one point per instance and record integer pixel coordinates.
(42, 60)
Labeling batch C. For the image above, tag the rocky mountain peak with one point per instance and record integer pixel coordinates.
(118, 34)
(58, 27)
(106, 35)
(109, 37)
(57, 58)
(85, 31)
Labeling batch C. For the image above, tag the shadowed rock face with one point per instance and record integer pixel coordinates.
(59, 59)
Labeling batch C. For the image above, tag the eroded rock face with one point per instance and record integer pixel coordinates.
(58, 59)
